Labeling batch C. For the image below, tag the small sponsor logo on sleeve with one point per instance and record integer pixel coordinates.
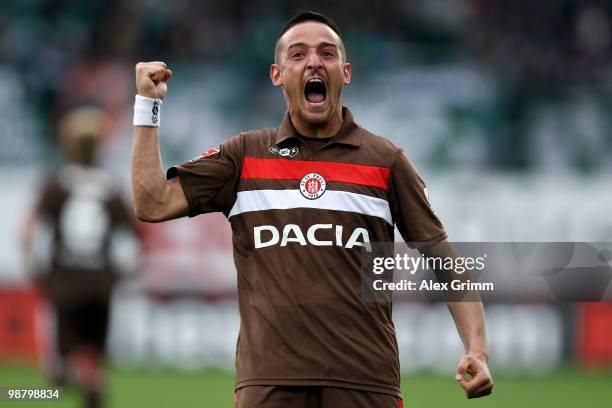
(207, 153)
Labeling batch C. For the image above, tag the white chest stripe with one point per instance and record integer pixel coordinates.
(261, 200)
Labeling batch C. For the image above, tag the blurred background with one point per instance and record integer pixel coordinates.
(504, 106)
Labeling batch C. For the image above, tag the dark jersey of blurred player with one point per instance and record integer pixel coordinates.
(80, 216)
(82, 209)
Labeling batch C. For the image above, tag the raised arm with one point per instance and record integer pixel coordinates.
(154, 198)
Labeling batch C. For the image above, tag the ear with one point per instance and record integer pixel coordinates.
(347, 73)
(275, 75)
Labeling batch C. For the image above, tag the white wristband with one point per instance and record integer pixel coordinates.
(147, 111)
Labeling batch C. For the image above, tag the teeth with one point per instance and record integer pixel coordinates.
(315, 80)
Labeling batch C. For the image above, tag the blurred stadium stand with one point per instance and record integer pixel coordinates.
(505, 107)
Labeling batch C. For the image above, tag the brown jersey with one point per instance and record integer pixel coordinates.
(300, 214)
(81, 208)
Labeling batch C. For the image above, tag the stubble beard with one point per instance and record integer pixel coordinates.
(319, 119)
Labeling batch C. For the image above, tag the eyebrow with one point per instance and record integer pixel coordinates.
(321, 45)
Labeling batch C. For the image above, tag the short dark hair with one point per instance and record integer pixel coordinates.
(302, 17)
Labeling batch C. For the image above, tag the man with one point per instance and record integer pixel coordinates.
(73, 241)
(303, 200)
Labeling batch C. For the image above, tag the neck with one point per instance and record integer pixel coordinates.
(326, 129)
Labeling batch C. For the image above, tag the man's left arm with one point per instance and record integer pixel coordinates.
(472, 371)
(417, 222)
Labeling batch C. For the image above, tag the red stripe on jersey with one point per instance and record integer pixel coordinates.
(286, 169)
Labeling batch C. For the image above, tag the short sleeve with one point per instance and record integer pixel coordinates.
(409, 204)
(50, 197)
(210, 179)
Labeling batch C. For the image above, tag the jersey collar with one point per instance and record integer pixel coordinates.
(349, 134)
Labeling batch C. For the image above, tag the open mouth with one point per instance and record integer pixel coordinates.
(315, 91)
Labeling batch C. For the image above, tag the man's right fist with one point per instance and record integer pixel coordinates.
(152, 79)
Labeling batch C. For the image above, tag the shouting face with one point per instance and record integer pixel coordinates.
(311, 69)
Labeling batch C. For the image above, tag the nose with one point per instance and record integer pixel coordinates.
(314, 62)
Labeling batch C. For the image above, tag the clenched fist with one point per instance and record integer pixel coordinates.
(480, 384)
(152, 79)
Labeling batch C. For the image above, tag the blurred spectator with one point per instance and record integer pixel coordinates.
(537, 57)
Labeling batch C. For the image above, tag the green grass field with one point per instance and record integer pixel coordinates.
(153, 389)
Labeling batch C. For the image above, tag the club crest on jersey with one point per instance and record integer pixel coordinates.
(312, 186)
(207, 153)
(285, 151)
